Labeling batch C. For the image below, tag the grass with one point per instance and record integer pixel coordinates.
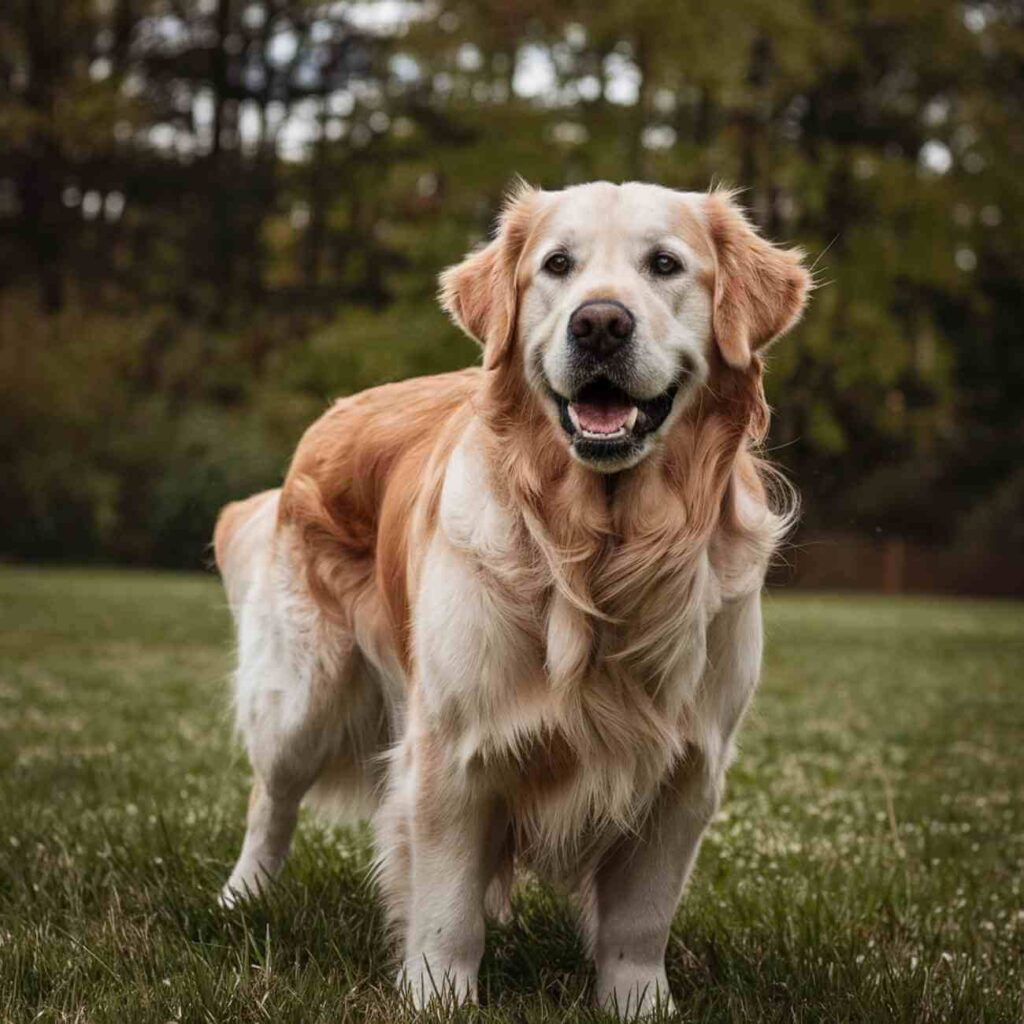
(866, 866)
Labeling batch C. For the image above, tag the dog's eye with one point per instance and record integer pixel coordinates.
(558, 263)
(664, 264)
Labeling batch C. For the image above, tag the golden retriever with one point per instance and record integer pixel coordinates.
(514, 612)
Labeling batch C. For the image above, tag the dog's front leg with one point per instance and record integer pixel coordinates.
(637, 887)
(456, 828)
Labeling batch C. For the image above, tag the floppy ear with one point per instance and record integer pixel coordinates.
(760, 289)
(480, 294)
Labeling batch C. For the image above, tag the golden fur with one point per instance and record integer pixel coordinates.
(601, 591)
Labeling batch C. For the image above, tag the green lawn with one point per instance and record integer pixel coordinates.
(866, 866)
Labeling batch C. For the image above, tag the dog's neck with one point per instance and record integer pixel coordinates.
(633, 547)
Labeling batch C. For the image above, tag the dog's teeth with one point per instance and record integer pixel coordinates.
(631, 419)
(598, 436)
(575, 419)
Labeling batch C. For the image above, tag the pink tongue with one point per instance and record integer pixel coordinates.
(601, 419)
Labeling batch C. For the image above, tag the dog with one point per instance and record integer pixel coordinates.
(513, 612)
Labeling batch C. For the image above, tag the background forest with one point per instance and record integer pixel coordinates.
(216, 215)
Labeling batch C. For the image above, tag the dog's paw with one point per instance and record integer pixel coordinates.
(422, 982)
(229, 898)
(241, 887)
(635, 991)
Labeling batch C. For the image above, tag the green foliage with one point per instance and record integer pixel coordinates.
(223, 214)
(360, 348)
(105, 457)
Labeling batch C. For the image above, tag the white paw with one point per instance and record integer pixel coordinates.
(633, 991)
(241, 886)
(229, 897)
(424, 981)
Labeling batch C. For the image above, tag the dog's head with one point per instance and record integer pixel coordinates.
(613, 301)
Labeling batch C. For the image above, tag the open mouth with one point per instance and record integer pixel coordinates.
(603, 420)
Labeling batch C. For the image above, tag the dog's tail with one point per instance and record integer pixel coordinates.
(242, 538)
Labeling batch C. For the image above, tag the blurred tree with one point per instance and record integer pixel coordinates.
(215, 214)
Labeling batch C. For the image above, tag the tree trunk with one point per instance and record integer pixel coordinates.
(39, 186)
(317, 230)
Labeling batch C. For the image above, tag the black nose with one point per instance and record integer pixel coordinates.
(601, 326)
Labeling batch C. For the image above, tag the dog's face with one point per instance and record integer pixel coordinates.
(611, 301)
(615, 317)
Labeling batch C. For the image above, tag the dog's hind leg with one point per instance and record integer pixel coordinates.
(329, 748)
(287, 710)
(269, 826)
(301, 697)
